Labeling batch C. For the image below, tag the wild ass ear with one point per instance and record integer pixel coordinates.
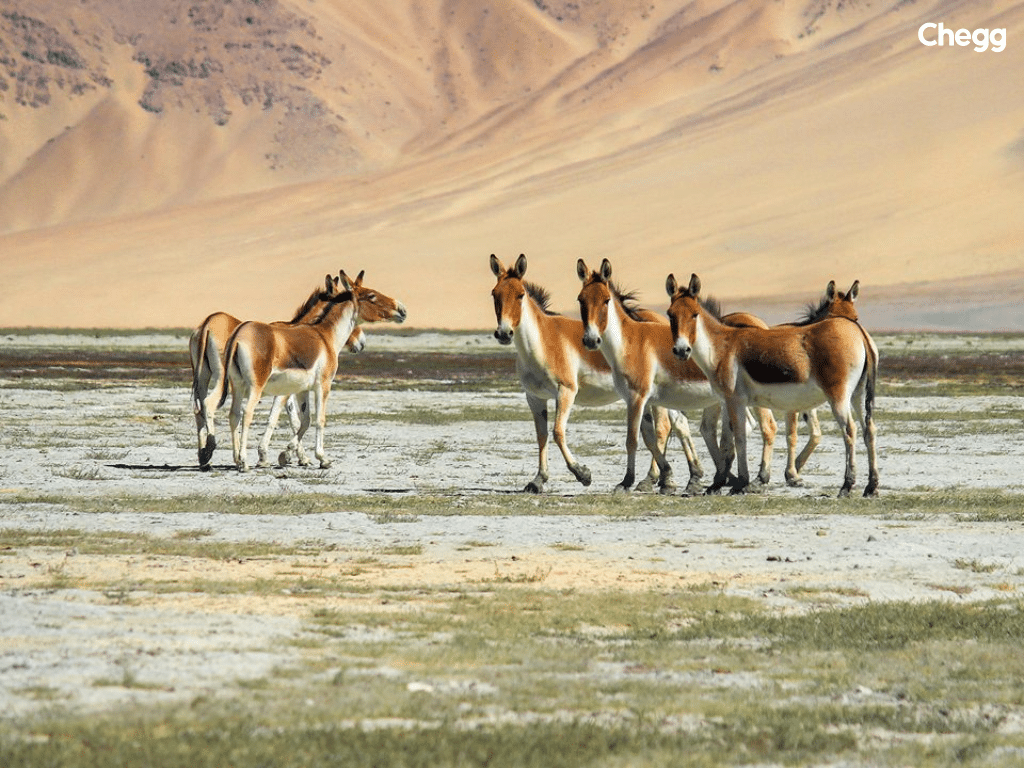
(854, 290)
(581, 270)
(496, 266)
(520, 268)
(359, 279)
(830, 291)
(329, 284)
(346, 284)
(671, 286)
(694, 286)
(606, 269)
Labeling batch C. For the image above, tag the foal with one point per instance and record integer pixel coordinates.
(792, 368)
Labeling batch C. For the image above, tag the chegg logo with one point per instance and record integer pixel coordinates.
(937, 34)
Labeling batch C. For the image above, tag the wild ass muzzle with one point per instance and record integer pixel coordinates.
(792, 368)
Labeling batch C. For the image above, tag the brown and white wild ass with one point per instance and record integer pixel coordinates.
(552, 364)
(301, 359)
(792, 368)
(637, 345)
(207, 347)
(833, 303)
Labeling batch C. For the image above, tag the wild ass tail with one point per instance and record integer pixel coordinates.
(870, 375)
(229, 360)
(200, 367)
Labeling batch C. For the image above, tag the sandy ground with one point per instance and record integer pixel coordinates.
(89, 631)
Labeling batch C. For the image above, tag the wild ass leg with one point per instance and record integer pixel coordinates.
(636, 407)
(811, 417)
(268, 433)
(298, 417)
(766, 423)
(320, 395)
(242, 407)
(662, 431)
(792, 473)
(722, 449)
(795, 462)
(681, 426)
(666, 423)
(737, 413)
(563, 406)
(848, 426)
(650, 435)
(868, 422)
(206, 391)
(871, 489)
(539, 409)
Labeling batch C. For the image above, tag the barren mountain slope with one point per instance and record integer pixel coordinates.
(164, 160)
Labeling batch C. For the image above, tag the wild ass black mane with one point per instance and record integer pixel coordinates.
(540, 295)
(814, 312)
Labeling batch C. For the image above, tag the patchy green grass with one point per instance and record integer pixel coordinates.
(385, 508)
(180, 544)
(520, 675)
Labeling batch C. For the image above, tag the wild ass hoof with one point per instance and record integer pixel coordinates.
(694, 488)
(262, 462)
(740, 486)
(794, 481)
(647, 484)
(206, 452)
(582, 474)
(325, 463)
(871, 490)
(534, 486)
(284, 459)
(764, 476)
(721, 481)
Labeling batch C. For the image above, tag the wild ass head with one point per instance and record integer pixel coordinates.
(595, 299)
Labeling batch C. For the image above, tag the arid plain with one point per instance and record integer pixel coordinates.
(159, 161)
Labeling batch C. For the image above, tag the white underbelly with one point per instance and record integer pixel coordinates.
(786, 397)
(683, 395)
(591, 395)
(594, 388)
(289, 382)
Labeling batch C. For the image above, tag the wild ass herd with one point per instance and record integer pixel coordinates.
(734, 369)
